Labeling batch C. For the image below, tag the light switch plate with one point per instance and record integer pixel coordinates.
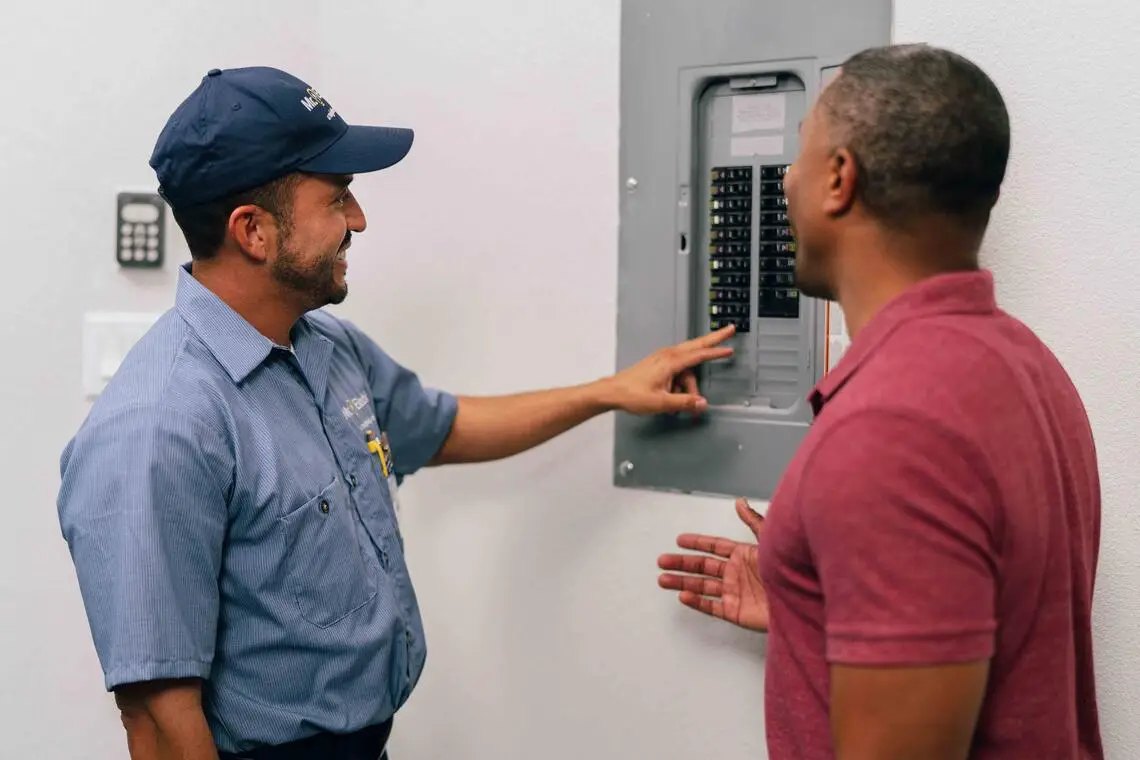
(107, 338)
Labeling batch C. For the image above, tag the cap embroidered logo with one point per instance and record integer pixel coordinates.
(313, 99)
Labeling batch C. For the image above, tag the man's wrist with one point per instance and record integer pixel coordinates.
(602, 395)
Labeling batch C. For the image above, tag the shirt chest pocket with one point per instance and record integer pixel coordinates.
(326, 568)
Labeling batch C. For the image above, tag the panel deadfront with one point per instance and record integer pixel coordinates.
(713, 94)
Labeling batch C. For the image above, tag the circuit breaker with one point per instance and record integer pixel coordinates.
(712, 96)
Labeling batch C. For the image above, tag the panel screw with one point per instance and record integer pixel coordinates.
(631, 183)
(625, 468)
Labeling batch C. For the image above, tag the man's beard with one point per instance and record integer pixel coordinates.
(315, 282)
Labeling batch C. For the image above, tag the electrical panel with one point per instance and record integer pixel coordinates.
(712, 97)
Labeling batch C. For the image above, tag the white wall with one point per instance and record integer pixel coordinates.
(489, 266)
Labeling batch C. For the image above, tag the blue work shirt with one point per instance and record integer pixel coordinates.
(228, 521)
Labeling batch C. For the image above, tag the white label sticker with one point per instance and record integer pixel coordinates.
(765, 145)
(753, 112)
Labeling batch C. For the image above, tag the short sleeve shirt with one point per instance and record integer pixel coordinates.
(944, 507)
(229, 521)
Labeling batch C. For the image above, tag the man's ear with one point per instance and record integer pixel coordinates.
(252, 230)
(842, 182)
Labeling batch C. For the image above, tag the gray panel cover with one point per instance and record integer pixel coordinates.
(682, 64)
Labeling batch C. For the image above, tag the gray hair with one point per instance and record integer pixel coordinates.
(928, 129)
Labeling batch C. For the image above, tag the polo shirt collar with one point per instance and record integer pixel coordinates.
(944, 294)
(235, 343)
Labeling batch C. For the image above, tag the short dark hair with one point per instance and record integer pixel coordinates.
(928, 129)
(204, 225)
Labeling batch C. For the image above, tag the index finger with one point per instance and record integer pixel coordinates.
(687, 358)
(721, 547)
(711, 339)
(692, 564)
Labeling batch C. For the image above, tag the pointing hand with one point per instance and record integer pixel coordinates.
(664, 381)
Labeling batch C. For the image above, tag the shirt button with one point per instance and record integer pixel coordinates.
(325, 506)
(352, 480)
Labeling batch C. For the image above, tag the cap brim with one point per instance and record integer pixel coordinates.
(361, 150)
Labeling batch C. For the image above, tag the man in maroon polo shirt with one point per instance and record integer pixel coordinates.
(925, 569)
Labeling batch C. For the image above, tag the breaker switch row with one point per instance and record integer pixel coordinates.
(719, 280)
(737, 295)
(773, 202)
(731, 204)
(732, 265)
(720, 250)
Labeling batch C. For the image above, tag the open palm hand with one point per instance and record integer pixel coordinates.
(723, 582)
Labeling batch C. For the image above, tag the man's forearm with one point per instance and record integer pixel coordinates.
(166, 722)
(489, 428)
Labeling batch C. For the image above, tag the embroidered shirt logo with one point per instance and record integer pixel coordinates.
(358, 409)
(354, 405)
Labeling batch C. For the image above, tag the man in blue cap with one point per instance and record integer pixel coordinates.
(230, 502)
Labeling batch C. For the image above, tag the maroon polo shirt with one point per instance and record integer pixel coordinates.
(944, 507)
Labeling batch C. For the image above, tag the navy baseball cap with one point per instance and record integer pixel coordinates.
(244, 127)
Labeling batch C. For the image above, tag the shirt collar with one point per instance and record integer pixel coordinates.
(236, 344)
(953, 293)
